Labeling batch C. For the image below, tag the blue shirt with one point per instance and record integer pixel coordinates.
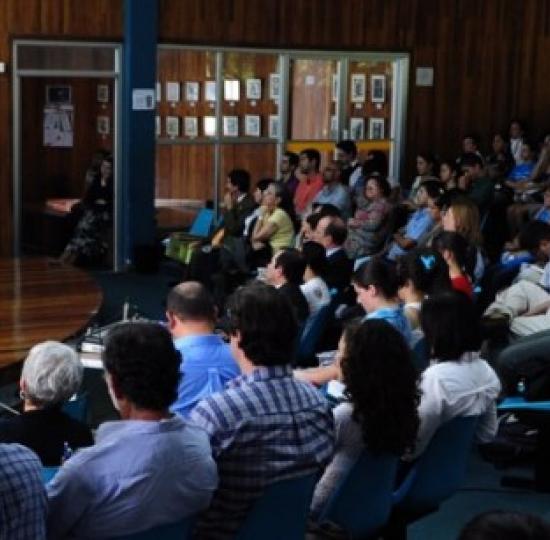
(338, 195)
(23, 503)
(139, 474)
(207, 364)
(418, 224)
(543, 215)
(521, 171)
(396, 317)
(267, 426)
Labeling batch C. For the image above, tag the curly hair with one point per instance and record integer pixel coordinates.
(381, 383)
(142, 360)
(426, 269)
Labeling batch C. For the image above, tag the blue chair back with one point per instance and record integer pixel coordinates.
(77, 408)
(362, 503)
(313, 330)
(281, 512)
(48, 473)
(172, 531)
(202, 225)
(440, 470)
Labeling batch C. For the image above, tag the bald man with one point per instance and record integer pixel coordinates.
(207, 363)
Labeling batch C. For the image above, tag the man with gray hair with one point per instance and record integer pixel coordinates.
(52, 373)
(207, 363)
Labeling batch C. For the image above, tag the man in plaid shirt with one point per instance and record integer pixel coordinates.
(23, 503)
(266, 426)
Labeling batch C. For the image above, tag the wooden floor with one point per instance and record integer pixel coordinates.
(40, 301)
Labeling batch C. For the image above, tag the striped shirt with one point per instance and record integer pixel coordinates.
(265, 427)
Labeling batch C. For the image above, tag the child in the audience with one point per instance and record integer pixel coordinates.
(421, 273)
(460, 258)
(459, 382)
(314, 287)
(374, 363)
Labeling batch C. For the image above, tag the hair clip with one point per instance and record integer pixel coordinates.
(428, 261)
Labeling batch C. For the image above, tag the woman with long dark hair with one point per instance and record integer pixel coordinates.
(380, 411)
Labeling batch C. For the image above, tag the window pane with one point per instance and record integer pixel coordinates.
(313, 107)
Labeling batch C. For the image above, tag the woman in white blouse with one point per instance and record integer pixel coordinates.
(458, 382)
(314, 287)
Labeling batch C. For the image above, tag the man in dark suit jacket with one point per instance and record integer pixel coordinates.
(286, 272)
(331, 232)
(238, 203)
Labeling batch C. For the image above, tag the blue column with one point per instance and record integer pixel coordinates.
(137, 188)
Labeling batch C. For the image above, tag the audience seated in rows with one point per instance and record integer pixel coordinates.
(266, 426)
(52, 373)
(333, 191)
(207, 364)
(147, 469)
(23, 502)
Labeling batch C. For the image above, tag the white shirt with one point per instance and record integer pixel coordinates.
(468, 387)
(317, 294)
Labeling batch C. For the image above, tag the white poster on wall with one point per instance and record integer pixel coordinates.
(58, 126)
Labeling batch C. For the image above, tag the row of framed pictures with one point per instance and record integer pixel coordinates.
(191, 92)
(174, 126)
(358, 90)
(188, 126)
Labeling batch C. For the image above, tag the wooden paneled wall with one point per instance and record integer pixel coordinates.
(490, 57)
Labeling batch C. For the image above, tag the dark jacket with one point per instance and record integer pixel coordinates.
(339, 271)
(297, 301)
(233, 220)
(45, 431)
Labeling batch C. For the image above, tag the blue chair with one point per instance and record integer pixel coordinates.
(440, 470)
(77, 408)
(48, 473)
(311, 334)
(361, 505)
(435, 476)
(172, 531)
(203, 223)
(536, 414)
(281, 512)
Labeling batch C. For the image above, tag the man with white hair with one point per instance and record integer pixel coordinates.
(52, 373)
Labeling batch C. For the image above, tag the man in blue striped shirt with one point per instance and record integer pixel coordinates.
(266, 426)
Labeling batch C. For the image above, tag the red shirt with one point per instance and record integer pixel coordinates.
(463, 284)
(306, 191)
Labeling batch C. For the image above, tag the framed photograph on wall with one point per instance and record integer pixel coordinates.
(253, 89)
(357, 128)
(210, 91)
(358, 87)
(209, 126)
(274, 86)
(103, 93)
(252, 125)
(274, 126)
(191, 126)
(103, 125)
(376, 128)
(378, 88)
(231, 126)
(192, 91)
(172, 126)
(173, 90)
(231, 90)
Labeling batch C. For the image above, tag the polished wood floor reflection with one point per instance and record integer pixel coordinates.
(40, 301)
